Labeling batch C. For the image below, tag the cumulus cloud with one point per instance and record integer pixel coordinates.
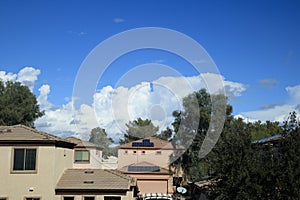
(276, 112)
(7, 76)
(43, 97)
(112, 107)
(27, 76)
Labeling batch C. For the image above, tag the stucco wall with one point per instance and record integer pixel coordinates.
(151, 156)
(50, 164)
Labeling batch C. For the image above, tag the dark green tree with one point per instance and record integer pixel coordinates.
(18, 105)
(138, 129)
(191, 125)
(165, 134)
(289, 159)
(99, 136)
(232, 162)
(261, 130)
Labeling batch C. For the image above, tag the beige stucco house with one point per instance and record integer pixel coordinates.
(86, 154)
(147, 160)
(35, 165)
(152, 150)
(31, 163)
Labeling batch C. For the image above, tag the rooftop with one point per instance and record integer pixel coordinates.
(20, 134)
(148, 143)
(81, 143)
(95, 180)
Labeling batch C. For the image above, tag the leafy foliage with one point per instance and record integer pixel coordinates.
(191, 126)
(138, 129)
(18, 105)
(99, 136)
(246, 170)
(261, 130)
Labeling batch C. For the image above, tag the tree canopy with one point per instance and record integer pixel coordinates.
(18, 105)
(138, 129)
(192, 123)
(99, 136)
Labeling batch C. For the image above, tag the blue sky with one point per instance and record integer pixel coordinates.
(255, 45)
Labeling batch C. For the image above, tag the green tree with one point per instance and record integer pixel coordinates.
(18, 105)
(191, 126)
(99, 136)
(165, 134)
(289, 159)
(232, 162)
(261, 130)
(138, 129)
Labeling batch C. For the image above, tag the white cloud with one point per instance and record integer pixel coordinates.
(277, 112)
(118, 20)
(294, 93)
(43, 97)
(27, 76)
(112, 108)
(7, 76)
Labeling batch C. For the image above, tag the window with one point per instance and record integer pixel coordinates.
(158, 152)
(112, 198)
(126, 152)
(82, 156)
(89, 198)
(134, 152)
(30, 198)
(68, 198)
(24, 159)
(143, 152)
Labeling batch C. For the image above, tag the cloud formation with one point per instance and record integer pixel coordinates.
(112, 107)
(118, 20)
(276, 112)
(26, 76)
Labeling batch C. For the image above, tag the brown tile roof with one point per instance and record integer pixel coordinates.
(144, 164)
(94, 180)
(81, 143)
(158, 144)
(20, 134)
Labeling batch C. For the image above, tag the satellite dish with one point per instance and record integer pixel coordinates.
(181, 190)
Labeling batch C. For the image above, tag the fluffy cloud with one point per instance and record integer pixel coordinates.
(26, 76)
(7, 76)
(294, 93)
(276, 112)
(112, 108)
(43, 97)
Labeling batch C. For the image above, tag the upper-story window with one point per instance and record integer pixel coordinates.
(24, 159)
(82, 156)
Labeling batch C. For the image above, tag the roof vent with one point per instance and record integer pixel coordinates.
(88, 182)
(89, 172)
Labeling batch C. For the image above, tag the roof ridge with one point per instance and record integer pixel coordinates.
(48, 135)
